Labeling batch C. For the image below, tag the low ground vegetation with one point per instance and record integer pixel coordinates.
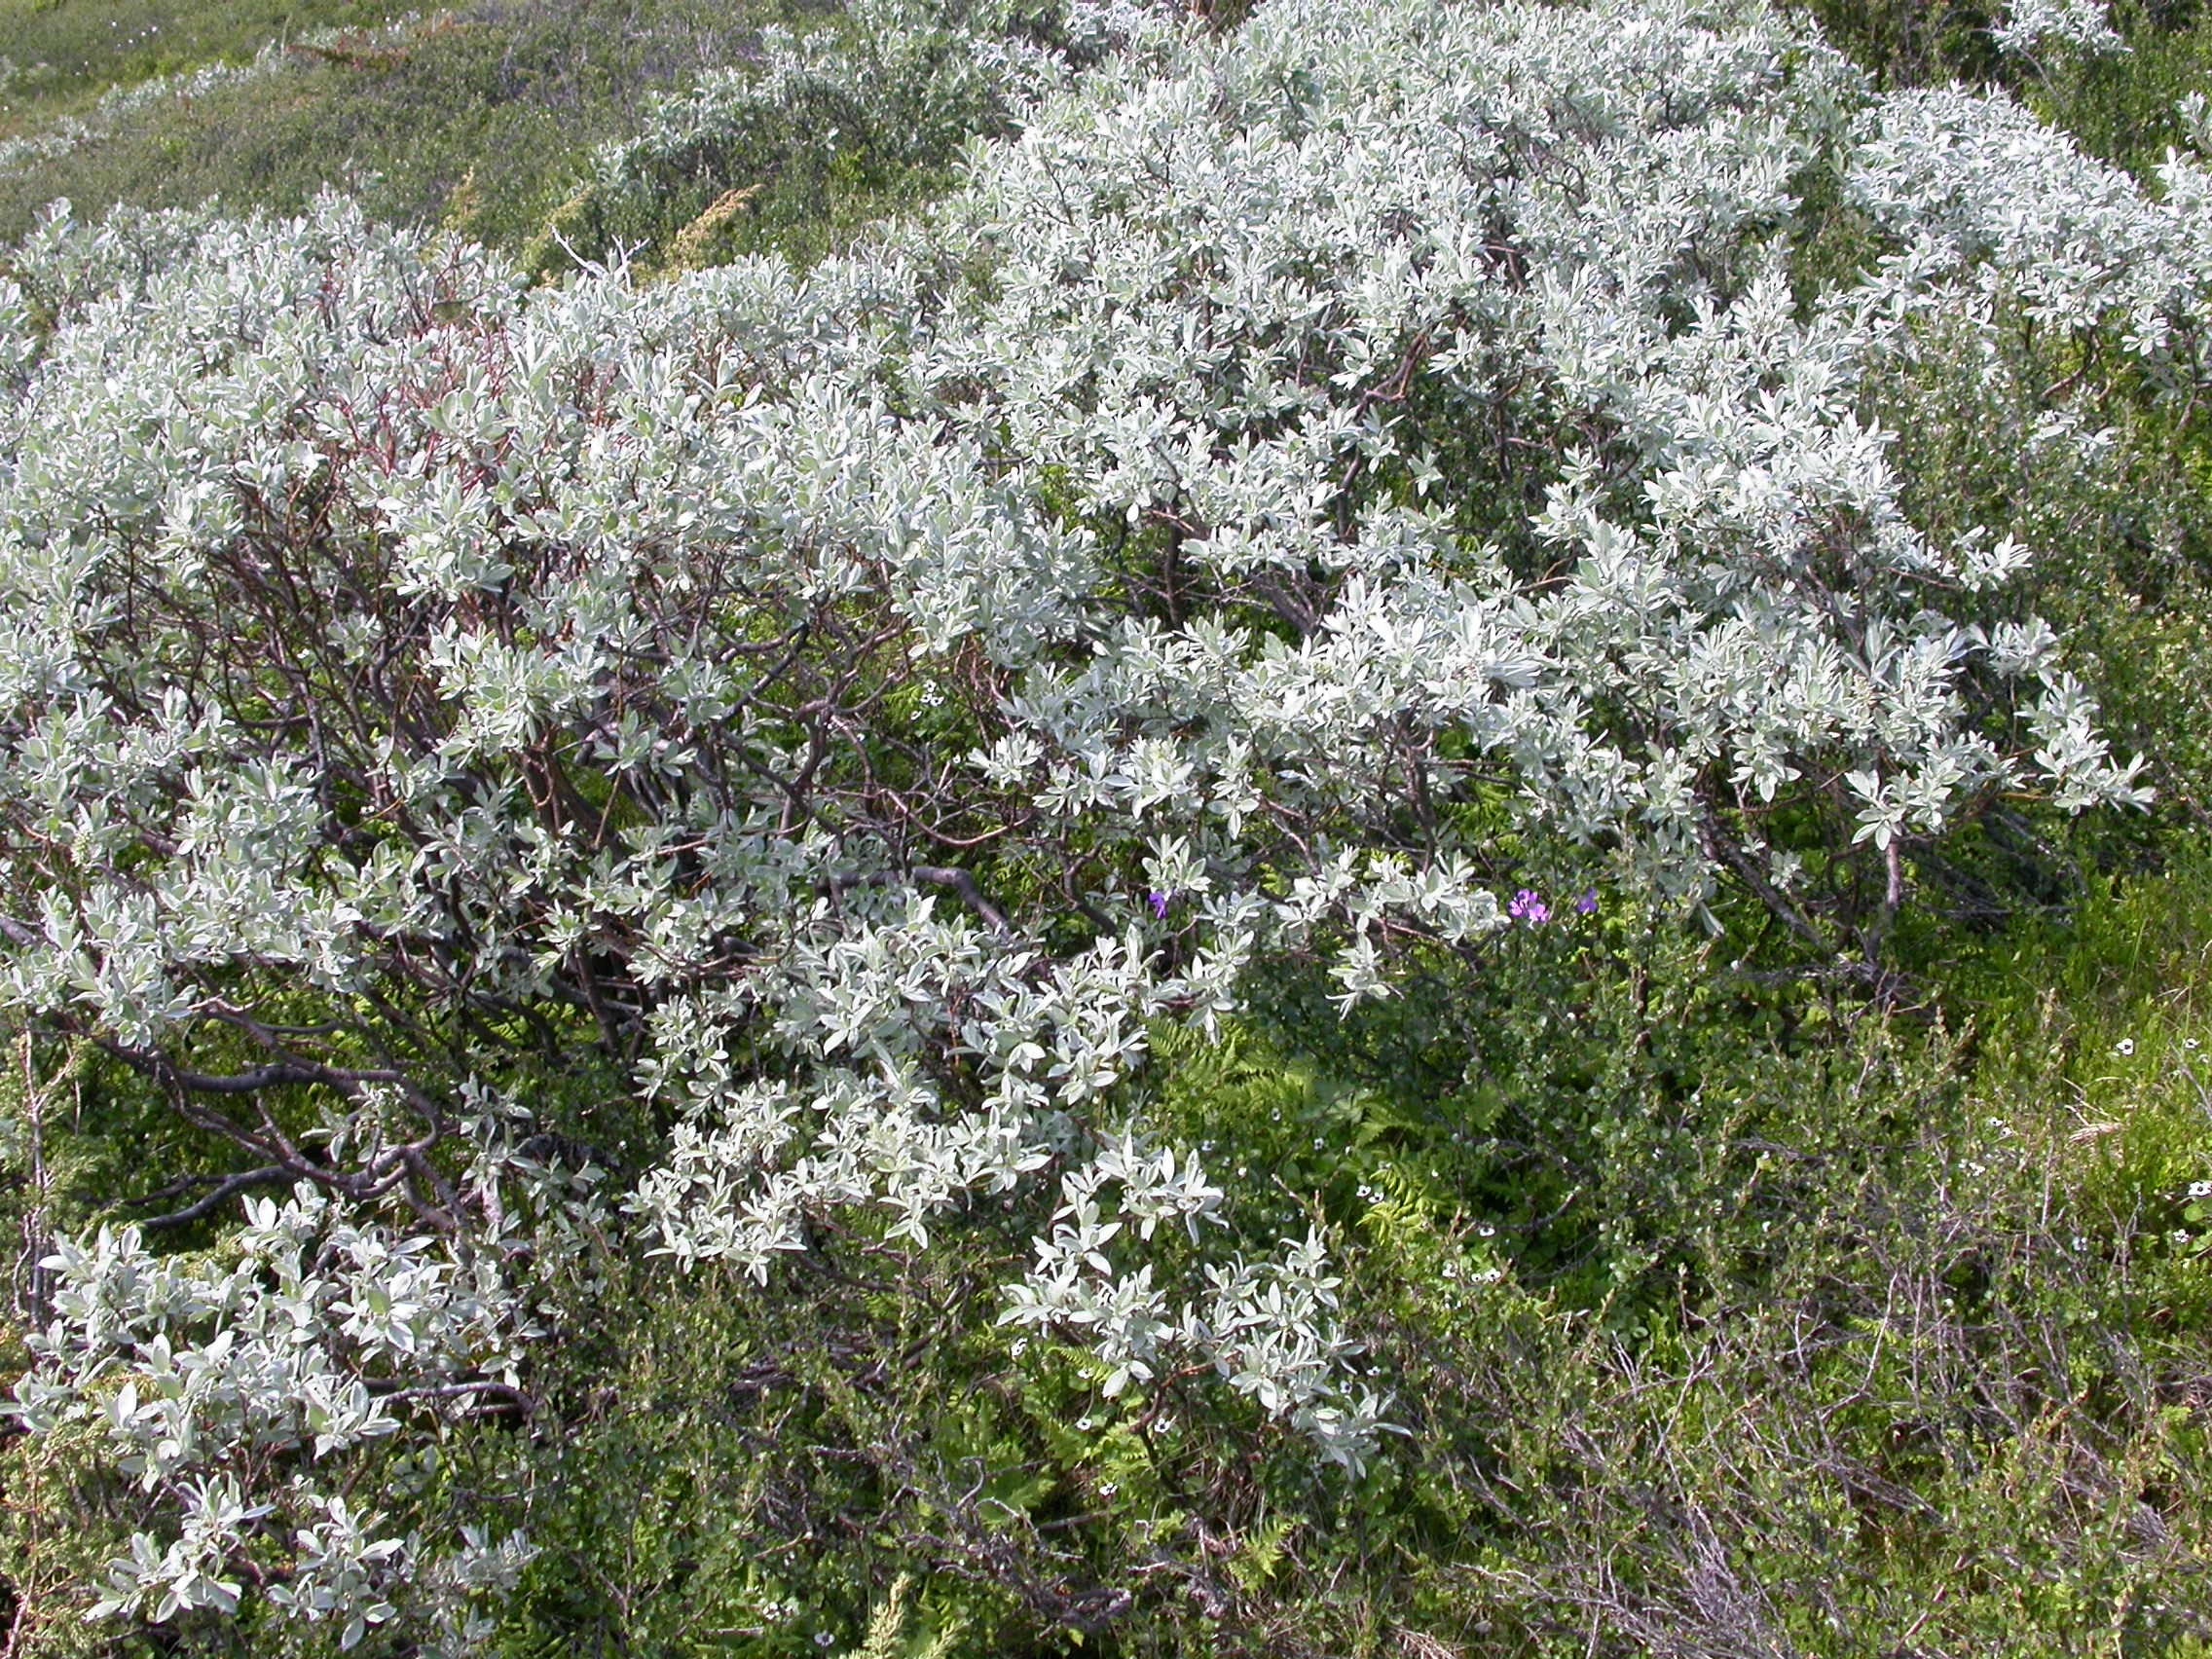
(481, 118)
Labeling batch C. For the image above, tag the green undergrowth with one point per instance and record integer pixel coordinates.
(1722, 1315)
(1723, 1312)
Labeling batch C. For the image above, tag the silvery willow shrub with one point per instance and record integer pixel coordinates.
(903, 76)
(1307, 487)
(2033, 26)
(879, 99)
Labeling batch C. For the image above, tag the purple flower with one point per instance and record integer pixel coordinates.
(1528, 907)
(1588, 903)
(1158, 902)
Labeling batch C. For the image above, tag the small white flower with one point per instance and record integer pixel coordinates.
(2200, 1189)
(2125, 1046)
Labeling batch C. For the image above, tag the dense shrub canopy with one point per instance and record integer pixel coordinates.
(1312, 486)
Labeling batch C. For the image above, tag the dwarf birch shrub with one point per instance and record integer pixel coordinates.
(1307, 488)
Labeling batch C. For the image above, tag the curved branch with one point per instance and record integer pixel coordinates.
(964, 884)
(225, 1189)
